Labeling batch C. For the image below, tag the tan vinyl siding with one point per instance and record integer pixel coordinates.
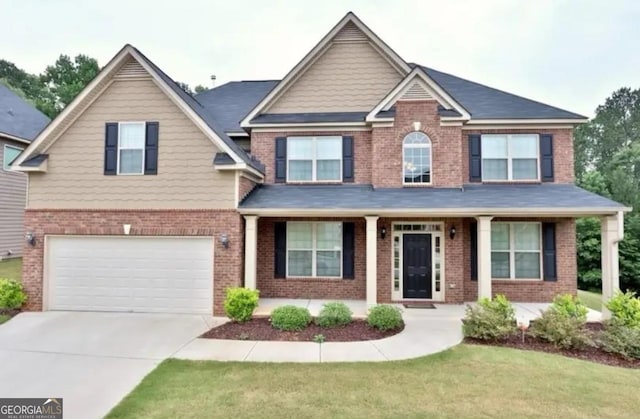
(348, 77)
(13, 192)
(186, 177)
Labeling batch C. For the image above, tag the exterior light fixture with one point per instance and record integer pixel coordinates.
(30, 238)
(224, 240)
(383, 233)
(452, 232)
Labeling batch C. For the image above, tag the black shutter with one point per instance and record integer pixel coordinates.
(473, 234)
(549, 251)
(348, 250)
(280, 235)
(151, 149)
(111, 148)
(475, 158)
(281, 159)
(347, 159)
(546, 157)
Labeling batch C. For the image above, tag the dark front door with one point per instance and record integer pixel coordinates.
(416, 265)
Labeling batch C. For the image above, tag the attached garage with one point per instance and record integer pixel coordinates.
(130, 274)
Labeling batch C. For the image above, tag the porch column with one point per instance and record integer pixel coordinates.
(250, 251)
(612, 231)
(372, 259)
(484, 256)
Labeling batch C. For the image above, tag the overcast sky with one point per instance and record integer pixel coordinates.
(570, 54)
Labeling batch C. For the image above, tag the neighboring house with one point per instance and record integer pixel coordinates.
(20, 122)
(368, 178)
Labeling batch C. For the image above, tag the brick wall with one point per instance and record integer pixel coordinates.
(228, 263)
(245, 186)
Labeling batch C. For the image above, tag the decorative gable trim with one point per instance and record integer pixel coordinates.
(417, 85)
(349, 29)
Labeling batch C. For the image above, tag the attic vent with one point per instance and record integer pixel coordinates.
(351, 33)
(416, 92)
(132, 68)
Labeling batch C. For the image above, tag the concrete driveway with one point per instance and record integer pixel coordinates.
(91, 360)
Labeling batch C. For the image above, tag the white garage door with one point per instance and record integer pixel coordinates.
(139, 274)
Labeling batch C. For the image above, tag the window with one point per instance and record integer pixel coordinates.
(416, 158)
(131, 138)
(10, 154)
(314, 159)
(314, 249)
(515, 250)
(510, 157)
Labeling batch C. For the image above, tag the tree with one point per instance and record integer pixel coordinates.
(200, 88)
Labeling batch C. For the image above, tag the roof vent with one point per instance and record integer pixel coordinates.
(350, 33)
(417, 92)
(131, 69)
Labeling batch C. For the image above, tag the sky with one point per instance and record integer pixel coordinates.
(571, 54)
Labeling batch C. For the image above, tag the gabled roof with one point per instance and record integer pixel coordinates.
(19, 120)
(199, 115)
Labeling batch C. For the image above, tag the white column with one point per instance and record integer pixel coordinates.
(612, 231)
(484, 256)
(372, 259)
(250, 251)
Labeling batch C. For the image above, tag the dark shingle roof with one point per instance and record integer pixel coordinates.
(555, 196)
(231, 102)
(275, 118)
(35, 161)
(206, 116)
(19, 118)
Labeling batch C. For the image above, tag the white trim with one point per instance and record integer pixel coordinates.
(14, 138)
(120, 124)
(531, 126)
(428, 84)
(512, 251)
(286, 125)
(314, 159)
(400, 64)
(7, 168)
(510, 158)
(313, 128)
(314, 250)
(419, 146)
(526, 121)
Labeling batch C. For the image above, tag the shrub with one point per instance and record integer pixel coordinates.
(490, 319)
(621, 340)
(334, 314)
(568, 305)
(290, 318)
(12, 296)
(385, 317)
(625, 309)
(240, 303)
(562, 331)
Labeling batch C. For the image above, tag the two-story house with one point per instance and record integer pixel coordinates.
(359, 175)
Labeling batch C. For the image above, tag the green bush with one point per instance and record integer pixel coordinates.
(334, 314)
(385, 317)
(562, 331)
(290, 318)
(621, 340)
(490, 319)
(240, 303)
(12, 296)
(625, 309)
(570, 306)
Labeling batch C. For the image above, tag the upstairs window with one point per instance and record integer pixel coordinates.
(131, 147)
(416, 159)
(314, 159)
(507, 157)
(10, 154)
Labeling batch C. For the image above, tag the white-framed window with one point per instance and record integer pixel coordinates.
(516, 250)
(416, 159)
(131, 139)
(508, 157)
(10, 153)
(314, 249)
(314, 159)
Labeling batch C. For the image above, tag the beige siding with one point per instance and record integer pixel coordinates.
(186, 177)
(13, 191)
(348, 77)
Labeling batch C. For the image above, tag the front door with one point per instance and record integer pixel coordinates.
(416, 266)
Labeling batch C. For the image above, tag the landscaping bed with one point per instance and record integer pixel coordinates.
(587, 353)
(261, 329)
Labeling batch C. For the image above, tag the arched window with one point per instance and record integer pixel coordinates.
(416, 158)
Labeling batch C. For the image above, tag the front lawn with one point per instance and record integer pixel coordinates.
(466, 381)
(593, 300)
(11, 269)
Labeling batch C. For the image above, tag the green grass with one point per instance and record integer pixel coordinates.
(593, 300)
(465, 381)
(4, 318)
(11, 268)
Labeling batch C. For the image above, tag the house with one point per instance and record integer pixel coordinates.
(20, 122)
(359, 175)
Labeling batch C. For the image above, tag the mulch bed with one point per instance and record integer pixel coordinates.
(592, 354)
(260, 329)
(10, 313)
